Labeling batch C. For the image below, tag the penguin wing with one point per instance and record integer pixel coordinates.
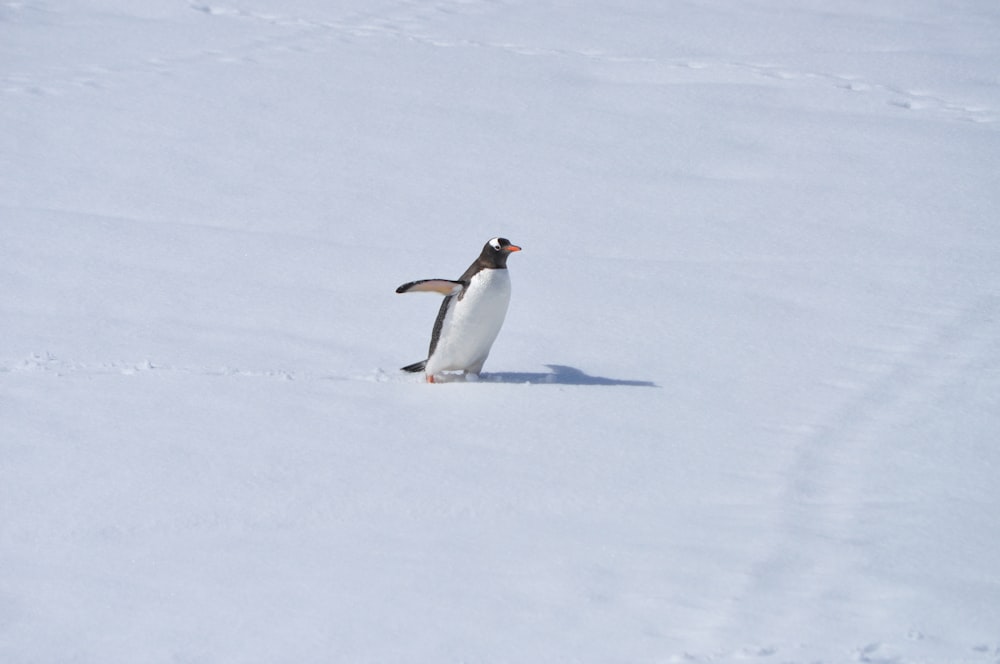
(443, 286)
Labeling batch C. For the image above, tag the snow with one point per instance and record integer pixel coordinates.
(745, 404)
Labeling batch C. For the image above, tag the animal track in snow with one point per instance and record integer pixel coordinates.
(409, 21)
(50, 364)
(892, 96)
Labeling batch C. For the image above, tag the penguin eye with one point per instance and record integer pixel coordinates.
(495, 243)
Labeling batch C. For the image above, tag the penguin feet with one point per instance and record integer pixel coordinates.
(465, 376)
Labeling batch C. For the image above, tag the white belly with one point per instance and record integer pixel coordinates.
(472, 324)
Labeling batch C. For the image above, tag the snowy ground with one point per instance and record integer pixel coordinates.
(745, 407)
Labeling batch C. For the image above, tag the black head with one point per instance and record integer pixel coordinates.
(496, 251)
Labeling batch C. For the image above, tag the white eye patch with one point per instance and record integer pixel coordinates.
(495, 243)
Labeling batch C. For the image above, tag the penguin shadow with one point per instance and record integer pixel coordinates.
(560, 374)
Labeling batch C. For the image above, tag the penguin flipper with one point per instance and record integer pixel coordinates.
(415, 367)
(442, 286)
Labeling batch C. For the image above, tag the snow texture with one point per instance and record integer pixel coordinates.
(745, 405)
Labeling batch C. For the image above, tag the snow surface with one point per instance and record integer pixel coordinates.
(745, 406)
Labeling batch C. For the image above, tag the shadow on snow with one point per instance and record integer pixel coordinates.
(561, 375)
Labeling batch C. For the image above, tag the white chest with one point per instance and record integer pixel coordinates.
(472, 323)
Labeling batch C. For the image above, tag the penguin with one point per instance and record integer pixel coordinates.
(471, 315)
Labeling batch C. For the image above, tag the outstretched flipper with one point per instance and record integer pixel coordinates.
(443, 286)
(415, 367)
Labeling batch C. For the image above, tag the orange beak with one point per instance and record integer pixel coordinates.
(512, 247)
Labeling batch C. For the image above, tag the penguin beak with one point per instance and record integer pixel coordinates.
(512, 247)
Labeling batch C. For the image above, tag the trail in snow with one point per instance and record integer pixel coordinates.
(305, 34)
(46, 363)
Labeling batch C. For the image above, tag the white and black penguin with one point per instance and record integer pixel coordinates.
(471, 315)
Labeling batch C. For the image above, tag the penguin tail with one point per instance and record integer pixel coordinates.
(415, 367)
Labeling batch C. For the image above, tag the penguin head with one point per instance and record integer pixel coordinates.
(496, 251)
